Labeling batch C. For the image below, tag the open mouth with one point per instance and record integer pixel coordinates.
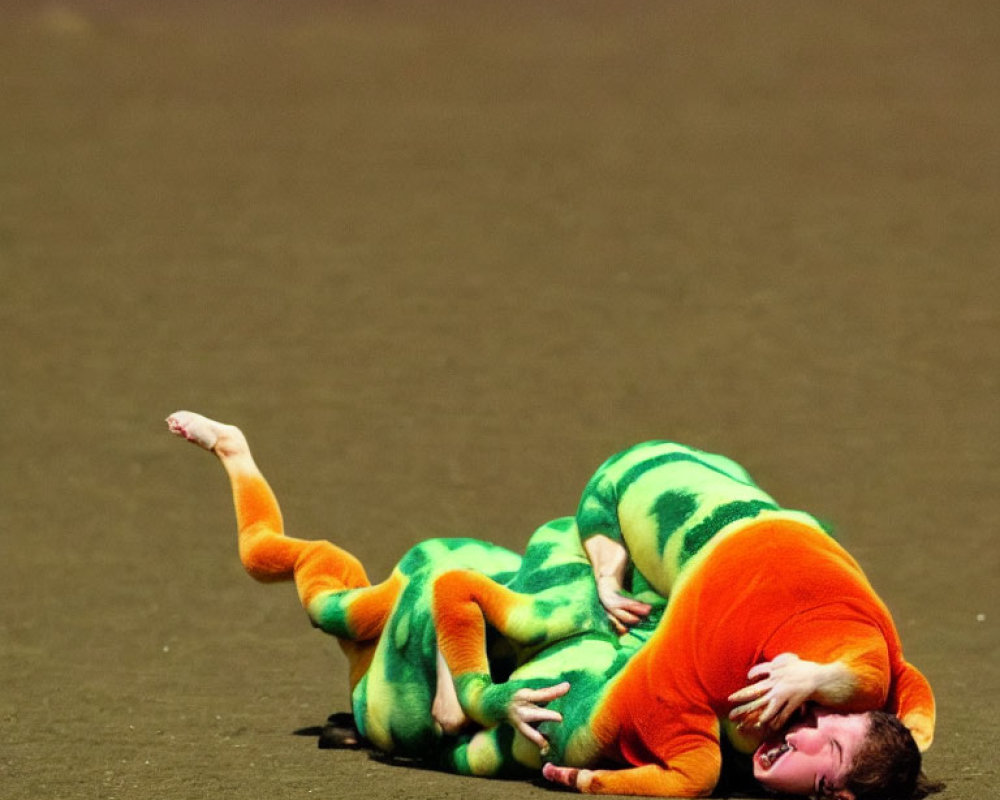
(769, 753)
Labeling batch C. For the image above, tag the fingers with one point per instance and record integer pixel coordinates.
(546, 695)
(770, 716)
(770, 712)
(759, 671)
(782, 661)
(534, 715)
(764, 711)
(616, 602)
(531, 735)
(530, 713)
(633, 606)
(624, 612)
(527, 710)
(762, 670)
(746, 708)
(751, 692)
(617, 626)
(780, 719)
(778, 689)
(623, 617)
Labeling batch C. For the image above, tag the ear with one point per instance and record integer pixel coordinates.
(827, 792)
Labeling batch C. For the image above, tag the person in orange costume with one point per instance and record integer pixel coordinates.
(765, 593)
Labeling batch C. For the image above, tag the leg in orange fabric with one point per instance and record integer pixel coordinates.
(331, 582)
(386, 630)
(552, 598)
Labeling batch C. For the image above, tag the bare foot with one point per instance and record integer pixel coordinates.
(224, 440)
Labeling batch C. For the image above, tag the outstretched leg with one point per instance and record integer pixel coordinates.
(265, 551)
(331, 582)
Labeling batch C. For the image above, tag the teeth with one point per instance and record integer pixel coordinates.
(773, 755)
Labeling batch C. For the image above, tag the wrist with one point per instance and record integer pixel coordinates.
(609, 580)
(480, 698)
(833, 684)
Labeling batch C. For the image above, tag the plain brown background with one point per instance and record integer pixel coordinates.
(439, 260)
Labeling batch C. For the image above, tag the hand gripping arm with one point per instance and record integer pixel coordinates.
(463, 602)
(610, 560)
(841, 664)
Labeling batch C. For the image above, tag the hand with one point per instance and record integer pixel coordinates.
(624, 612)
(526, 710)
(567, 776)
(610, 559)
(779, 688)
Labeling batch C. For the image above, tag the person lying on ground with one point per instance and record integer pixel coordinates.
(386, 629)
(388, 635)
(753, 590)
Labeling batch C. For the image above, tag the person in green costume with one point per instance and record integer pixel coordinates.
(400, 693)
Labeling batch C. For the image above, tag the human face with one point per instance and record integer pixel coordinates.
(819, 749)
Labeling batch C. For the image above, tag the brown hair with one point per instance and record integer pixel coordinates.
(887, 765)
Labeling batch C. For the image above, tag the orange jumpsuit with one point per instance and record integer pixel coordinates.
(770, 587)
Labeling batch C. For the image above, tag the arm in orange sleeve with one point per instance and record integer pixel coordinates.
(463, 602)
(691, 774)
(854, 650)
(852, 669)
(460, 609)
(913, 702)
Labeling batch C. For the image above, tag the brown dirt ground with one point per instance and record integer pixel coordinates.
(439, 260)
